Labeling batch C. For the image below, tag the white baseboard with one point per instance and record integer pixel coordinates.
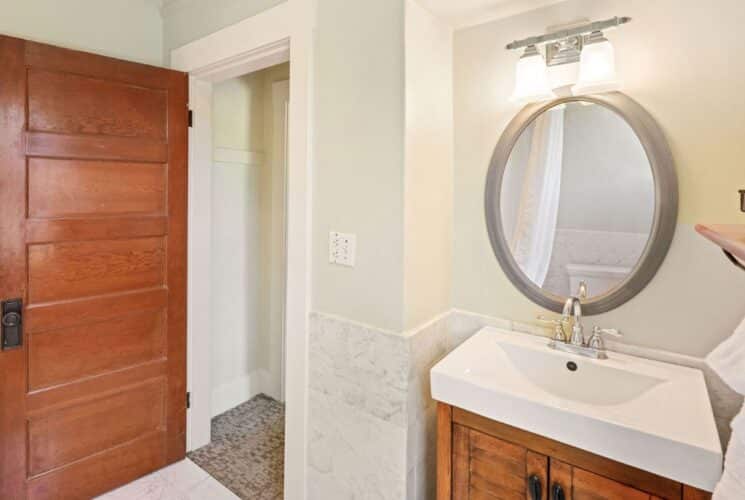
(237, 391)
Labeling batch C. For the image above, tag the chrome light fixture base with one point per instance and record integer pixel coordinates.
(565, 51)
(583, 29)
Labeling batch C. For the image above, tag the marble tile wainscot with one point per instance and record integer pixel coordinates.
(371, 419)
(357, 422)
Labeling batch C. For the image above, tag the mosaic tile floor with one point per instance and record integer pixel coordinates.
(246, 454)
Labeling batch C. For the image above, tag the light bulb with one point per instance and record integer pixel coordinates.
(531, 78)
(597, 66)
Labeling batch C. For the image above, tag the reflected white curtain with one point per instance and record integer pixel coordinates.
(535, 227)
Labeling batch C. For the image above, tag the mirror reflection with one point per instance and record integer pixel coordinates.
(577, 199)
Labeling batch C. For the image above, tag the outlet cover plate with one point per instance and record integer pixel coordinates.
(342, 248)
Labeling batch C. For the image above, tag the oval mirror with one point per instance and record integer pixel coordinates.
(582, 189)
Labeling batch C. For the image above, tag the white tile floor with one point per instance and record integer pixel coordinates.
(181, 481)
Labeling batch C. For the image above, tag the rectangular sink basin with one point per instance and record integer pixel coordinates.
(651, 415)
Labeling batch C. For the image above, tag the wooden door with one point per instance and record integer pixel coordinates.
(93, 239)
(487, 468)
(578, 484)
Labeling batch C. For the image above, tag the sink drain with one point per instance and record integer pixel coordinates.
(572, 366)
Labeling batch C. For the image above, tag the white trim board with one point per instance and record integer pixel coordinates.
(255, 43)
(226, 155)
(222, 55)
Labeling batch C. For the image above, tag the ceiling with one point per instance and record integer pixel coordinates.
(461, 13)
(457, 13)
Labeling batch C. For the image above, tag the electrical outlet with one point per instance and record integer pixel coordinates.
(342, 248)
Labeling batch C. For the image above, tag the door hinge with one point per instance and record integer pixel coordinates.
(191, 118)
(188, 400)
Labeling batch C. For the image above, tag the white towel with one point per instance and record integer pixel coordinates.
(728, 360)
(732, 484)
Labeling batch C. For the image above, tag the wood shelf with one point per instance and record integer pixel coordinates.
(731, 237)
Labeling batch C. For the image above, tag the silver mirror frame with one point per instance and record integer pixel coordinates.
(665, 212)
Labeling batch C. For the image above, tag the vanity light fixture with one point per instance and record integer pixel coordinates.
(597, 66)
(586, 43)
(531, 78)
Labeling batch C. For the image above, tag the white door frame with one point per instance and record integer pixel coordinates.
(280, 121)
(282, 33)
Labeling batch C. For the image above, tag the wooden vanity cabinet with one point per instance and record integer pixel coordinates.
(480, 459)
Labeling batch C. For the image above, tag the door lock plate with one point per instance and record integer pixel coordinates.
(11, 322)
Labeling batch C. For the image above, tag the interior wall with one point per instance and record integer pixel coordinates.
(428, 227)
(359, 159)
(187, 20)
(246, 347)
(125, 29)
(694, 92)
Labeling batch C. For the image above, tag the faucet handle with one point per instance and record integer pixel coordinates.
(558, 324)
(596, 340)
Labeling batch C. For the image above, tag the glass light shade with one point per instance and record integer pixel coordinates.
(597, 67)
(531, 78)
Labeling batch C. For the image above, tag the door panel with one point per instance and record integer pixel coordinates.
(68, 354)
(485, 467)
(579, 484)
(95, 147)
(60, 437)
(93, 197)
(69, 270)
(46, 230)
(561, 480)
(66, 103)
(60, 188)
(589, 486)
(84, 479)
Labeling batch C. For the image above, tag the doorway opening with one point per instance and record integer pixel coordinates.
(247, 283)
(278, 35)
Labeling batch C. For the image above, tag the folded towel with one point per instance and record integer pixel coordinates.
(731, 486)
(728, 361)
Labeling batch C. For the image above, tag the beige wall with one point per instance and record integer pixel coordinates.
(187, 20)
(359, 157)
(428, 196)
(680, 60)
(125, 29)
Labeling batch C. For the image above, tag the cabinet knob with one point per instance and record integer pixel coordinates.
(534, 487)
(557, 492)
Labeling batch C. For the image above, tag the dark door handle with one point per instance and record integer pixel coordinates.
(11, 324)
(557, 492)
(11, 319)
(534, 487)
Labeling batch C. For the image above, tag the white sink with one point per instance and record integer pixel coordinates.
(651, 415)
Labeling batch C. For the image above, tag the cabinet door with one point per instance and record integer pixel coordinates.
(573, 483)
(488, 468)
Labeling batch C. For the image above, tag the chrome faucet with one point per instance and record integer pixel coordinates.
(573, 309)
(594, 347)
